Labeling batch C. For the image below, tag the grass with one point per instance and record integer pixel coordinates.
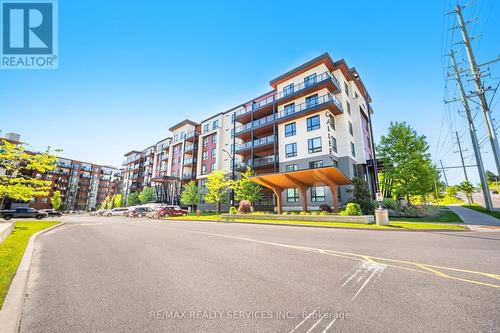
(481, 209)
(392, 224)
(445, 216)
(12, 250)
(450, 201)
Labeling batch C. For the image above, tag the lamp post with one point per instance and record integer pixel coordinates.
(231, 194)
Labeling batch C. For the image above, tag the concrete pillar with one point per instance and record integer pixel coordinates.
(335, 197)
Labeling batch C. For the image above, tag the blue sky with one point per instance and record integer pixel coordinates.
(129, 70)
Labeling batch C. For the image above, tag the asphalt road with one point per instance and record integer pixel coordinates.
(99, 274)
(479, 198)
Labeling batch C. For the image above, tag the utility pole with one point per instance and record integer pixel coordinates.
(461, 156)
(476, 74)
(472, 130)
(444, 173)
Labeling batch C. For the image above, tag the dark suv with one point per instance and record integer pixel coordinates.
(139, 211)
(22, 213)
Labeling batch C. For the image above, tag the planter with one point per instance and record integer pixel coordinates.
(365, 219)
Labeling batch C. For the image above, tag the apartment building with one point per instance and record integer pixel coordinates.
(315, 115)
(83, 186)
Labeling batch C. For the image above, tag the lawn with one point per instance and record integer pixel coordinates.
(417, 224)
(445, 216)
(12, 250)
(483, 210)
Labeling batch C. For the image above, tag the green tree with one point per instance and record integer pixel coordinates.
(104, 204)
(217, 188)
(117, 200)
(361, 195)
(245, 189)
(20, 179)
(491, 177)
(451, 191)
(407, 162)
(190, 194)
(133, 199)
(147, 195)
(56, 200)
(468, 189)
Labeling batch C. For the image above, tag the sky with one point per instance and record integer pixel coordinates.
(129, 70)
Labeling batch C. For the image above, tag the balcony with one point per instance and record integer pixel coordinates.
(325, 79)
(257, 162)
(188, 161)
(254, 124)
(327, 101)
(188, 176)
(255, 143)
(189, 148)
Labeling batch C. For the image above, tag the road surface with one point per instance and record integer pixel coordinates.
(98, 274)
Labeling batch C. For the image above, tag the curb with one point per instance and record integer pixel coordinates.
(331, 227)
(10, 314)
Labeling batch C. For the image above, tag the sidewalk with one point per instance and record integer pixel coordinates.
(473, 218)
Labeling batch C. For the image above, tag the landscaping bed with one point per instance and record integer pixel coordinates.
(12, 250)
(362, 219)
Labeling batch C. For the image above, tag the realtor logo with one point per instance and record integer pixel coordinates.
(28, 34)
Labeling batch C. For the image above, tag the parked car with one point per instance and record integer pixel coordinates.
(172, 211)
(52, 212)
(22, 213)
(140, 211)
(116, 211)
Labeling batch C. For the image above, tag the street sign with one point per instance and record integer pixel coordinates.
(379, 196)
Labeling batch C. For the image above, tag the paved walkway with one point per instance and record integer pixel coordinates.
(471, 217)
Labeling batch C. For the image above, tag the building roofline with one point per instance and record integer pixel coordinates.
(132, 152)
(184, 122)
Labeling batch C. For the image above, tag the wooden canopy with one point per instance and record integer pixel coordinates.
(303, 179)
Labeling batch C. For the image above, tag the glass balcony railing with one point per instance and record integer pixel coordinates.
(309, 105)
(254, 143)
(254, 124)
(256, 162)
(188, 161)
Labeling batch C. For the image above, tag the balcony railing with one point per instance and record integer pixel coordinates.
(309, 105)
(189, 148)
(256, 162)
(254, 124)
(254, 143)
(320, 78)
(188, 161)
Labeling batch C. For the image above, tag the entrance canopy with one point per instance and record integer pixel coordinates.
(303, 179)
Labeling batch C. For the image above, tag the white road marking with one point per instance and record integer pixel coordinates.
(303, 321)
(329, 325)
(315, 324)
(364, 285)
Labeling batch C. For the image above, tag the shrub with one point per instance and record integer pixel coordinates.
(325, 208)
(245, 207)
(284, 213)
(303, 213)
(387, 203)
(293, 213)
(315, 212)
(323, 212)
(233, 210)
(352, 209)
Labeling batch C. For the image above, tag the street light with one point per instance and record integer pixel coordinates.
(231, 156)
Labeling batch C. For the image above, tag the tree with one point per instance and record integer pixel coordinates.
(190, 194)
(468, 189)
(245, 189)
(361, 195)
(491, 177)
(117, 200)
(133, 199)
(407, 162)
(147, 195)
(451, 191)
(217, 188)
(104, 203)
(56, 200)
(21, 179)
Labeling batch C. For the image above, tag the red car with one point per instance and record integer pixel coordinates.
(172, 211)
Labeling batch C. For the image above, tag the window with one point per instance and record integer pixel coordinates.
(289, 109)
(213, 153)
(205, 128)
(212, 168)
(355, 94)
(334, 144)
(204, 155)
(292, 167)
(317, 194)
(331, 122)
(215, 124)
(203, 169)
(292, 195)
(348, 107)
(291, 150)
(353, 150)
(44, 200)
(355, 170)
(336, 164)
(346, 88)
(288, 90)
(350, 128)
(214, 138)
(310, 80)
(313, 123)
(311, 101)
(205, 141)
(315, 164)
(290, 130)
(314, 145)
